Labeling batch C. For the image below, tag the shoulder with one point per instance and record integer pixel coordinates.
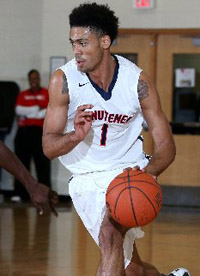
(148, 94)
(44, 90)
(57, 77)
(126, 64)
(72, 75)
(145, 81)
(70, 65)
(22, 97)
(23, 93)
(58, 87)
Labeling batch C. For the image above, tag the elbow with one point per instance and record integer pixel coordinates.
(173, 157)
(47, 148)
(173, 153)
(48, 153)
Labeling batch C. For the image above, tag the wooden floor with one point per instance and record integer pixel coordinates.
(31, 245)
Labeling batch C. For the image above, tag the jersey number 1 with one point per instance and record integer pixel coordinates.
(104, 131)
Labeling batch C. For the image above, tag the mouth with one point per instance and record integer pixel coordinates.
(80, 62)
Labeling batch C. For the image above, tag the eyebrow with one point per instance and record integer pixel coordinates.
(77, 40)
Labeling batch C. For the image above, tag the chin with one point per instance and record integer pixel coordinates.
(83, 70)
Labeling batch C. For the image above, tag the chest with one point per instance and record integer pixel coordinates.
(122, 102)
(30, 99)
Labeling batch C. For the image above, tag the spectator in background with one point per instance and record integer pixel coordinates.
(30, 110)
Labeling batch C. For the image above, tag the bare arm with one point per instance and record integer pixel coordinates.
(164, 146)
(55, 143)
(42, 197)
(10, 162)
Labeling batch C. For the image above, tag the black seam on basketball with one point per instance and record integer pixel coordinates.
(132, 207)
(117, 201)
(124, 182)
(139, 173)
(135, 180)
(119, 177)
(147, 182)
(146, 197)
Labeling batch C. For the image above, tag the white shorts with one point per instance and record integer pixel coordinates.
(88, 195)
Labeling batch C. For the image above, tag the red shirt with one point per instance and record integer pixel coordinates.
(30, 98)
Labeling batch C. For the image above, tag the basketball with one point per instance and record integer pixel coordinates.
(134, 198)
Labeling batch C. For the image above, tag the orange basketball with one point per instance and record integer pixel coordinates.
(134, 198)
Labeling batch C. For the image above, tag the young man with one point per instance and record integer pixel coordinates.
(41, 196)
(93, 124)
(30, 110)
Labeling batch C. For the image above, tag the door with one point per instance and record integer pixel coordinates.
(156, 53)
(141, 49)
(185, 50)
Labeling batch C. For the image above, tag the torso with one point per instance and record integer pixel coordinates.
(117, 119)
(29, 99)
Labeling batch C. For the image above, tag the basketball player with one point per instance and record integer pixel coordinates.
(41, 196)
(98, 103)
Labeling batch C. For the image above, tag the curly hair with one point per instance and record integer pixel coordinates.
(99, 18)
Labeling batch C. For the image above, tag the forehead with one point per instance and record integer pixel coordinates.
(34, 75)
(77, 33)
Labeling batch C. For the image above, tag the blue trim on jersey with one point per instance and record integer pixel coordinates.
(107, 95)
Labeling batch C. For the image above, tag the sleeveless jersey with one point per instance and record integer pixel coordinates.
(114, 138)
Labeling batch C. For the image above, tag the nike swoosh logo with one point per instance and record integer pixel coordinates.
(82, 84)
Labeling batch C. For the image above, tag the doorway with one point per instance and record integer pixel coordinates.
(159, 53)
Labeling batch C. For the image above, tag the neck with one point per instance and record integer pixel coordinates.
(35, 89)
(103, 75)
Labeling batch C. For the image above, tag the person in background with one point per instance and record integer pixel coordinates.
(41, 196)
(30, 110)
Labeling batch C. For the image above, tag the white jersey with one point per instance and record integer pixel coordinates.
(114, 139)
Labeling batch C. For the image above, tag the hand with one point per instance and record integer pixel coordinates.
(32, 114)
(33, 111)
(83, 121)
(137, 168)
(43, 198)
(145, 169)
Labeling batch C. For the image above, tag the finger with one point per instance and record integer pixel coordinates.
(84, 114)
(54, 201)
(153, 175)
(108, 210)
(136, 168)
(88, 118)
(53, 210)
(84, 106)
(53, 195)
(83, 122)
(80, 121)
(41, 211)
(127, 169)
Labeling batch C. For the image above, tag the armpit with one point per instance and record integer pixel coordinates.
(142, 89)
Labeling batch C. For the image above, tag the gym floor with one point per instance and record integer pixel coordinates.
(33, 245)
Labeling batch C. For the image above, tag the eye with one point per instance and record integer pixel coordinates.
(83, 43)
(72, 43)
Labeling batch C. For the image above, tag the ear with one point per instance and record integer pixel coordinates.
(106, 42)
